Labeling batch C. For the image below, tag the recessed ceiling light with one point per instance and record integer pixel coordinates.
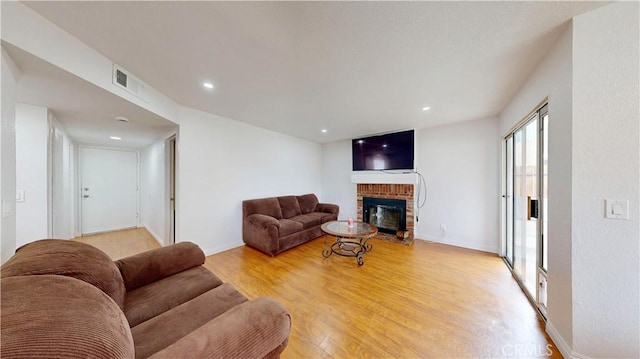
(324, 130)
(115, 138)
(207, 85)
(426, 108)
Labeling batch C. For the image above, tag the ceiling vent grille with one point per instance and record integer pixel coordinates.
(124, 80)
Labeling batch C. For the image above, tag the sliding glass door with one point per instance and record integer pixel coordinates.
(525, 204)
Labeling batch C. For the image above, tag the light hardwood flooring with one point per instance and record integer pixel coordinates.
(422, 301)
(120, 244)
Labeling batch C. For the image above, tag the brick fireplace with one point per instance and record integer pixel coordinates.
(389, 191)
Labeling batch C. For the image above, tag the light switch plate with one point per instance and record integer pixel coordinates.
(616, 208)
(20, 195)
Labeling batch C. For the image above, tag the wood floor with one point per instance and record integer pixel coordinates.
(120, 244)
(420, 301)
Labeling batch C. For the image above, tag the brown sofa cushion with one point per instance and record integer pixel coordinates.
(146, 302)
(147, 267)
(307, 202)
(267, 206)
(308, 220)
(289, 206)
(152, 335)
(51, 316)
(68, 258)
(288, 226)
(249, 330)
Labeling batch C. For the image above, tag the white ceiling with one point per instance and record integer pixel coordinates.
(353, 68)
(86, 111)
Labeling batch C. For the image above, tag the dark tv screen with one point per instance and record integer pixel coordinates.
(393, 151)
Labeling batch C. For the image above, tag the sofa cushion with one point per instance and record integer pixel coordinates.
(54, 316)
(307, 202)
(146, 302)
(267, 206)
(258, 328)
(147, 267)
(68, 258)
(323, 217)
(307, 220)
(289, 206)
(288, 226)
(152, 335)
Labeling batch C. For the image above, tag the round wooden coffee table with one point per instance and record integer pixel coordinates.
(350, 241)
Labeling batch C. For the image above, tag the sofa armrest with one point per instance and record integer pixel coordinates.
(148, 267)
(328, 208)
(254, 329)
(261, 232)
(262, 220)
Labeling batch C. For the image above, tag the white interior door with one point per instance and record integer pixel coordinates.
(108, 189)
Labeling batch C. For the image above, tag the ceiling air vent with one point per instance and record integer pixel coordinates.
(123, 79)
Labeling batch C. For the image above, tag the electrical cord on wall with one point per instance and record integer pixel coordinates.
(420, 203)
(421, 200)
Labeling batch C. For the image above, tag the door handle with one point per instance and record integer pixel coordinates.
(533, 208)
(85, 196)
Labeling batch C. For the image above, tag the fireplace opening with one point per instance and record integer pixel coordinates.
(389, 215)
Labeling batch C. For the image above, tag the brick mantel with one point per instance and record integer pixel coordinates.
(393, 191)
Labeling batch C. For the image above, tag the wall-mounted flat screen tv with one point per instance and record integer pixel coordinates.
(393, 151)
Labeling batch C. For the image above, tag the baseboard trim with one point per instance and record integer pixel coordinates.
(561, 344)
(155, 236)
(489, 249)
(222, 248)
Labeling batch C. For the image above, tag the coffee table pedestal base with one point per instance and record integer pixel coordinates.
(348, 247)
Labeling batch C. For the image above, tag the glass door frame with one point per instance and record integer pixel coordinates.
(508, 205)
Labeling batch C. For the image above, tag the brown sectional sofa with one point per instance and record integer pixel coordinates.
(68, 299)
(273, 225)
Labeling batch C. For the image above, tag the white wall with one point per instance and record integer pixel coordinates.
(606, 164)
(32, 141)
(222, 162)
(9, 77)
(336, 177)
(153, 191)
(552, 79)
(460, 163)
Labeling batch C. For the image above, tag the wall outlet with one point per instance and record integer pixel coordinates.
(443, 227)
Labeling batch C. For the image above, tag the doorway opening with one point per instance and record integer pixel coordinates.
(108, 189)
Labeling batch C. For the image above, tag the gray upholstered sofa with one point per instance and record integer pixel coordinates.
(273, 225)
(66, 299)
